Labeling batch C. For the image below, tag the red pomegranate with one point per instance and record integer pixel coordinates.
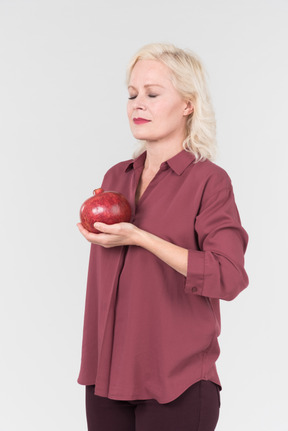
(104, 206)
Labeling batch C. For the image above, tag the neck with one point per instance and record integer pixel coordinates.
(157, 154)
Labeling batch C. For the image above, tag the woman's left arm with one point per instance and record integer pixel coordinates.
(217, 270)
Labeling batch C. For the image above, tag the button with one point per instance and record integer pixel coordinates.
(194, 289)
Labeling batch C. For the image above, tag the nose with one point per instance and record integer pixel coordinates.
(139, 103)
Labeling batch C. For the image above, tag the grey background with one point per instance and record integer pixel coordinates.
(63, 124)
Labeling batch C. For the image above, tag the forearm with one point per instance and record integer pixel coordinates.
(121, 234)
(173, 255)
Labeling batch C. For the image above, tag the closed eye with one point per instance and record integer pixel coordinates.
(149, 95)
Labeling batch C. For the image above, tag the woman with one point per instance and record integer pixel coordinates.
(152, 307)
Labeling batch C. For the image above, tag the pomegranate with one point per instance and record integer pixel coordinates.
(104, 206)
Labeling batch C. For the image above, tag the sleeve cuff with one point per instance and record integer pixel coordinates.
(195, 272)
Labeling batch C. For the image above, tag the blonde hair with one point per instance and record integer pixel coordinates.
(189, 78)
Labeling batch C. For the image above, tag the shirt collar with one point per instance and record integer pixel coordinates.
(177, 163)
(181, 161)
(136, 163)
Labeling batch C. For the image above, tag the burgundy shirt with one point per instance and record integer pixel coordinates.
(150, 332)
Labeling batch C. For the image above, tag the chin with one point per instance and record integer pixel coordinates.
(141, 137)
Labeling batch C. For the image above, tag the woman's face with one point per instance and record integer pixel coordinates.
(156, 110)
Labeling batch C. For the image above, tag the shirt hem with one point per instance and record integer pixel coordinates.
(122, 396)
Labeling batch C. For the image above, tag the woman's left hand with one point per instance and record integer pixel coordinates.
(113, 235)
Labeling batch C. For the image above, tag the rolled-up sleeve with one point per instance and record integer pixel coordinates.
(216, 270)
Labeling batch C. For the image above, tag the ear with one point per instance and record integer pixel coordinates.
(188, 109)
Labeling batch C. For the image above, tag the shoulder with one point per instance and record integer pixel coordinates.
(210, 180)
(212, 176)
(119, 167)
(116, 172)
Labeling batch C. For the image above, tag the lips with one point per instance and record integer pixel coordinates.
(140, 120)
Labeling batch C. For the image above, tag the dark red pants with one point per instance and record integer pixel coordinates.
(197, 409)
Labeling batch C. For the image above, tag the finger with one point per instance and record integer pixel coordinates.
(95, 238)
(81, 228)
(88, 235)
(103, 227)
(83, 231)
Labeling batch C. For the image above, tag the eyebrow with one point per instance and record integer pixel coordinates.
(147, 85)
